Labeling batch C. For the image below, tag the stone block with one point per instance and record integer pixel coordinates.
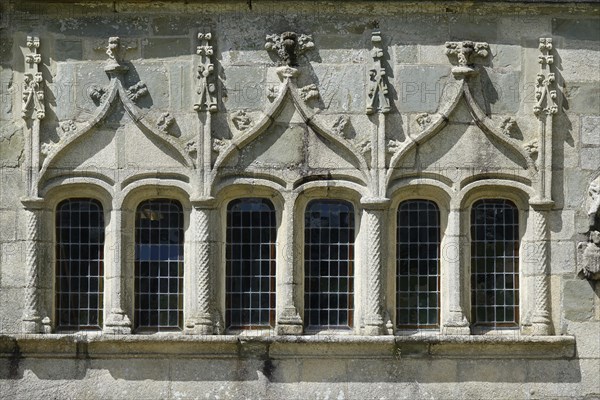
(245, 87)
(577, 65)
(433, 54)
(590, 130)
(11, 145)
(576, 28)
(472, 27)
(506, 56)
(563, 259)
(343, 49)
(155, 76)
(173, 25)
(12, 310)
(419, 88)
(341, 87)
(7, 93)
(521, 24)
(101, 26)
(590, 159)
(405, 54)
(167, 47)
(181, 86)
(583, 97)
(68, 49)
(6, 47)
(12, 264)
(587, 335)
(501, 90)
(561, 224)
(578, 300)
(411, 28)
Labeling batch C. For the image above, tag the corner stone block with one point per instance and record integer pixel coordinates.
(578, 300)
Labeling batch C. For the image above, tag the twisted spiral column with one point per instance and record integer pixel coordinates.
(202, 318)
(541, 316)
(31, 312)
(374, 211)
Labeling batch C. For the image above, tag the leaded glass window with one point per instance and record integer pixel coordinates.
(250, 264)
(159, 265)
(79, 264)
(495, 263)
(418, 265)
(328, 265)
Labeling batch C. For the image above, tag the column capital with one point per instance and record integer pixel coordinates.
(375, 203)
(541, 204)
(32, 203)
(204, 202)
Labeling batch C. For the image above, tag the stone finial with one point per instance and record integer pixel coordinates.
(545, 86)
(463, 54)
(378, 88)
(115, 52)
(288, 46)
(207, 89)
(33, 83)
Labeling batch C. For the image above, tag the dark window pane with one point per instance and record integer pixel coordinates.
(250, 255)
(417, 263)
(329, 237)
(79, 258)
(494, 262)
(159, 265)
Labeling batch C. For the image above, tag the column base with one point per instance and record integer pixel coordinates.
(541, 326)
(374, 330)
(117, 323)
(289, 323)
(374, 327)
(456, 325)
(31, 324)
(200, 326)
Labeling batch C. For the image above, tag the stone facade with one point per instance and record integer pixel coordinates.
(373, 103)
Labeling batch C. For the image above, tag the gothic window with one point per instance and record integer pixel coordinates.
(328, 265)
(418, 265)
(495, 263)
(159, 265)
(79, 264)
(250, 264)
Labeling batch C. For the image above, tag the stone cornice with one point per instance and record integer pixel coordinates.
(97, 345)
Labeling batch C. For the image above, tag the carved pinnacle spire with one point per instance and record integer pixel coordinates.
(378, 89)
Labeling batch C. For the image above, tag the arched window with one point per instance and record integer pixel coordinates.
(159, 265)
(250, 269)
(328, 264)
(495, 263)
(79, 264)
(418, 265)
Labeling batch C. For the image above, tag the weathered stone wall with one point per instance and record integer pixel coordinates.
(141, 122)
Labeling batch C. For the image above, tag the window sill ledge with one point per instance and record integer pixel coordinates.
(98, 345)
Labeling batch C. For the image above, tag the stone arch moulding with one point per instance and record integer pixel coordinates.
(463, 74)
(288, 92)
(107, 97)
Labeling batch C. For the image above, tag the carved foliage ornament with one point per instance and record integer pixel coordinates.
(288, 46)
(463, 54)
(33, 85)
